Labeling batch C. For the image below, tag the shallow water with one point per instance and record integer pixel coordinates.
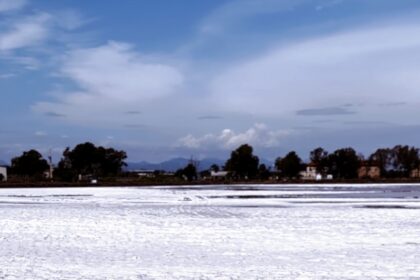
(211, 232)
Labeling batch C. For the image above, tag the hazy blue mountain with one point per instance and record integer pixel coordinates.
(172, 164)
(177, 163)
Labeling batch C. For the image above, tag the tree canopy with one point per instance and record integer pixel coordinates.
(344, 163)
(290, 165)
(87, 159)
(398, 161)
(405, 159)
(243, 163)
(382, 158)
(319, 157)
(263, 172)
(30, 164)
(189, 172)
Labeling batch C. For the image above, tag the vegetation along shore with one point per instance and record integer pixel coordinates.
(87, 164)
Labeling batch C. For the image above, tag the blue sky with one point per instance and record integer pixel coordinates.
(162, 79)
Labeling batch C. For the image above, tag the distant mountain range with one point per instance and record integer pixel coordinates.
(174, 164)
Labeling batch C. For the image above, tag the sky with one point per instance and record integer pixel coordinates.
(162, 79)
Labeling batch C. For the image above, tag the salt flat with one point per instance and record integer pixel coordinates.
(211, 232)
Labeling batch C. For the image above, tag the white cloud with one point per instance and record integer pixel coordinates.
(116, 71)
(325, 5)
(7, 76)
(232, 13)
(9, 5)
(25, 33)
(359, 66)
(109, 77)
(40, 133)
(258, 135)
(29, 63)
(70, 19)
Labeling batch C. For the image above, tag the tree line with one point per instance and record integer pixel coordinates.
(343, 163)
(87, 160)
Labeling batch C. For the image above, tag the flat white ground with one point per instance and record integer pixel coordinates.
(211, 232)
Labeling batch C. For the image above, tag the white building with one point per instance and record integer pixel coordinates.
(3, 173)
(310, 173)
(219, 174)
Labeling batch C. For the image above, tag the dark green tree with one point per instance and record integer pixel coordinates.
(383, 158)
(263, 172)
(405, 159)
(242, 163)
(29, 164)
(290, 165)
(189, 172)
(344, 163)
(319, 157)
(215, 168)
(87, 159)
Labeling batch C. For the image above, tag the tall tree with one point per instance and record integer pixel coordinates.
(189, 172)
(344, 163)
(290, 165)
(263, 172)
(242, 163)
(30, 164)
(405, 159)
(319, 157)
(87, 159)
(214, 167)
(383, 158)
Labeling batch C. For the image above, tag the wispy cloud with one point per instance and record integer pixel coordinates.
(234, 12)
(357, 66)
(40, 133)
(70, 19)
(7, 75)
(133, 112)
(29, 31)
(109, 77)
(210, 117)
(328, 4)
(258, 135)
(29, 63)
(54, 115)
(10, 5)
(330, 111)
(393, 104)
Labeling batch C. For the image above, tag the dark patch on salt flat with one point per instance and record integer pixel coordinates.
(255, 206)
(255, 196)
(386, 207)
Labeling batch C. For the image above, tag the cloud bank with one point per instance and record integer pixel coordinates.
(258, 135)
(358, 66)
(10, 5)
(111, 77)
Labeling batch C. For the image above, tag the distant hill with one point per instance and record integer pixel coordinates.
(3, 162)
(174, 164)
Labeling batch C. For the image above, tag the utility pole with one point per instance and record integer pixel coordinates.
(51, 170)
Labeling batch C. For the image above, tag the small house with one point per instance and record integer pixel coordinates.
(3, 173)
(415, 173)
(146, 173)
(369, 170)
(218, 174)
(310, 173)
